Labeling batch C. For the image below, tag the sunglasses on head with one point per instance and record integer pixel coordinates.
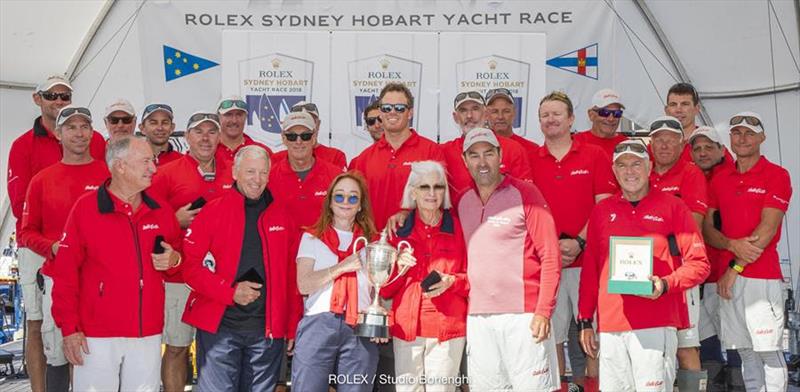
(340, 198)
(156, 106)
(292, 137)
(736, 120)
(471, 94)
(638, 148)
(495, 91)
(66, 97)
(398, 107)
(603, 112)
(427, 187)
(229, 103)
(665, 124)
(116, 120)
(309, 107)
(204, 116)
(372, 120)
(70, 111)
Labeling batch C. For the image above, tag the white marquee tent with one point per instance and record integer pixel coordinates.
(741, 55)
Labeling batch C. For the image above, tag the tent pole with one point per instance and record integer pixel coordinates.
(673, 56)
(98, 21)
(749, 92)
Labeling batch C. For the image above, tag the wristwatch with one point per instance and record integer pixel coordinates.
(581, 242)
(584, 324)
(736, 267)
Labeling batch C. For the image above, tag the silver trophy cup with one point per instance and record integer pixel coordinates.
(379, 265)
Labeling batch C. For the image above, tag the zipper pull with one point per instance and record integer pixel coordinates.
(141, 283)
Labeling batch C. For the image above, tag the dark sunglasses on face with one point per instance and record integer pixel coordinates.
(372, 120)
(292, 137)
(427, 187)
(204, 116)
(603, 112)
(471, 94)
(66, 97)
(638, 148)
(398, 107)
(736, 120)
(340, 197)
(309, 107)
(116, 120)
(665, 124)
(229, 103)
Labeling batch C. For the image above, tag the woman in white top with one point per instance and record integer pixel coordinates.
(329, 275)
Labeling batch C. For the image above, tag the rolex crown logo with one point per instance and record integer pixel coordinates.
(276, 63)
(492, 64)
(384, 62)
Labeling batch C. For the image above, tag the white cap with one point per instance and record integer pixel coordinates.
(120, 105)
(634, 147)
(70, 111)
(468, 96)
(706, 131)
(477, 135)
(740, 120)
(606, 97)
(236, 103)
(52, 81)
(302, 119)
(666, 123)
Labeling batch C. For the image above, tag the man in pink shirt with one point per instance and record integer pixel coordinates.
(514, 265)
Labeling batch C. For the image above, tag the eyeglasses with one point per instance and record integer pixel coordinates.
(309, 107)
(470, 94)
(203, 116)
(229, 103)
(340, 198)
(292, 137)
(66, 97)
(736, 120)
(603, 112)
(372, 120)
(427, 187)
(398, 107)
(665, 124)
(635, 147)
(116, 120)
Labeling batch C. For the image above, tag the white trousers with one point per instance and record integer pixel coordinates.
(51, 334)
(639, 360)
(427, 364)
(120, 364)
(502, 355)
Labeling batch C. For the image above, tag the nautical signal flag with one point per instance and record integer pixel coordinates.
(582, 62)
(178, 63)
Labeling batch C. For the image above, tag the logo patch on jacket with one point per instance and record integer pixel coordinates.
(653, 218)
(150, 226)
(276, 228)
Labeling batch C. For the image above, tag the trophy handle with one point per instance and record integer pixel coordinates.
(400, 246)
(355, 244)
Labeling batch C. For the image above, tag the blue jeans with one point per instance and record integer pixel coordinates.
(237, 361)
(327, 350)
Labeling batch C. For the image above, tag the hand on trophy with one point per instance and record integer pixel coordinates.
(406, 260)
(351, 264)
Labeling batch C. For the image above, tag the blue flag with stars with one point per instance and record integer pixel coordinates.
(178, 63)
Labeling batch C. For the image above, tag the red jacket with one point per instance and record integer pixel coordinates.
(227, 154)
(436, 248)
(30, 153)
(104, 282)
(303, 198)
(331, 155)
(656, 216)
(219, 229)
(515, 163)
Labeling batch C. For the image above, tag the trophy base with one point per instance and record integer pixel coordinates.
(375, 326)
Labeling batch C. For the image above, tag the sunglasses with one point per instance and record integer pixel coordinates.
(292, 137)
(204, 116)
(309, 107)
(470, 94)
(116, 120)
(70, 111)
(156, 106)
(603, 112)
(736, 120)
(427, 187)
(637, 148)
(66, 97)
(372, 120)
(229, 103)
(665, 124)
(398, 107)
(498, 91)
(340, 197)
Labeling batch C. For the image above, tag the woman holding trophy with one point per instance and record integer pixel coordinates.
(336, 287)
(430, 300)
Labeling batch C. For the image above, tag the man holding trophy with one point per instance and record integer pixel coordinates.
(337, 288)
